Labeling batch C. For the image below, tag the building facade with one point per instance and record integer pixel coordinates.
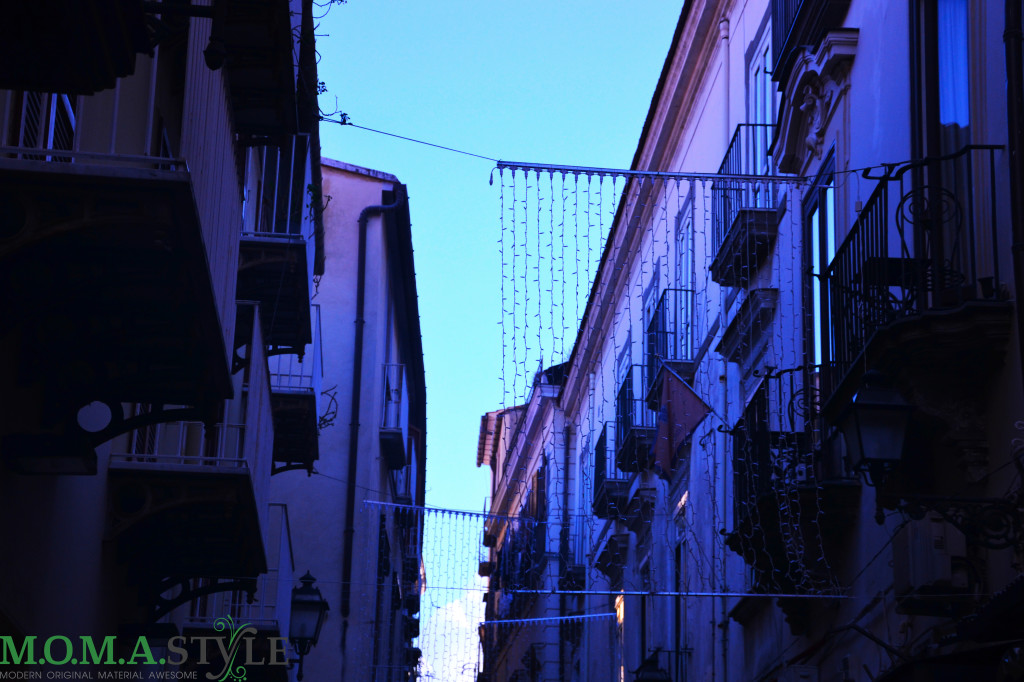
(179, 356)
(791, 408)
(525, 535)
(356, 516)
(157, 179)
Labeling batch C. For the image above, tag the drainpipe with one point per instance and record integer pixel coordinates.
(563, 549)
(353, 425)
(1012, 36)
(723, 33)
(723, 496)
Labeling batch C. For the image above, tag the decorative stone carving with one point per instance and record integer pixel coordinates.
(812, 94)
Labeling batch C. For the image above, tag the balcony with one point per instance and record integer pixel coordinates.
(118, 238)
(635, 423)
(258, 42)
(610, 484)
(611, 552)
(275, 258)
(74, 46)
(800, 24)
(186, 500)
(394, 424)
(269, 610)
(295, 396)
(670, 341)
(790, 501)
(746, 337)
(915, 289)
(521, 565)
(107, 250)
(744, 210)
(573, 575)
(188, 506)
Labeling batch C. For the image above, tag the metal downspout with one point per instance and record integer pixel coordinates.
(721, 623)
(563, 549)
(353, 434)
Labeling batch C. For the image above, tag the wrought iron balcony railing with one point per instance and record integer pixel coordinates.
(520, 565)
(797, 24)
(744, 215)
(609, 482)
(747, 155)
(635, 422)
(783, 507)
(926, 240)
(670, 331)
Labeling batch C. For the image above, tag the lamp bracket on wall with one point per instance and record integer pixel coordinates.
(293, 466)
(994, 523)
(157, 414)
(189, 591)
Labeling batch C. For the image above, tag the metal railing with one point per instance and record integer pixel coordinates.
(784, 13)
(771, 445)
(186, 444)
(40, 121)
(34, 122)
(282, 194)
(801, 24)
(927, 239)
(520, 565)
(670, 331)
(271, 605)
(634, 421)
(290, 373)
(604, 458)
(748, 156)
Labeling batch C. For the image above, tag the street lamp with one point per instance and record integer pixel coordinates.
(874, 426)
(309, 611)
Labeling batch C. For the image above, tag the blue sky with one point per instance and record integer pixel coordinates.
(565, 82)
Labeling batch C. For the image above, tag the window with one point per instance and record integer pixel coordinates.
(940, 58)
(624, 359)
(684, 245)
(762, 98)
(650, 303)
(651, 293)
(820, 247)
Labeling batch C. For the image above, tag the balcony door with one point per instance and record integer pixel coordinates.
(685, 257)
(762, 101)
(940, 63)
(819, 211)
(941, 200)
